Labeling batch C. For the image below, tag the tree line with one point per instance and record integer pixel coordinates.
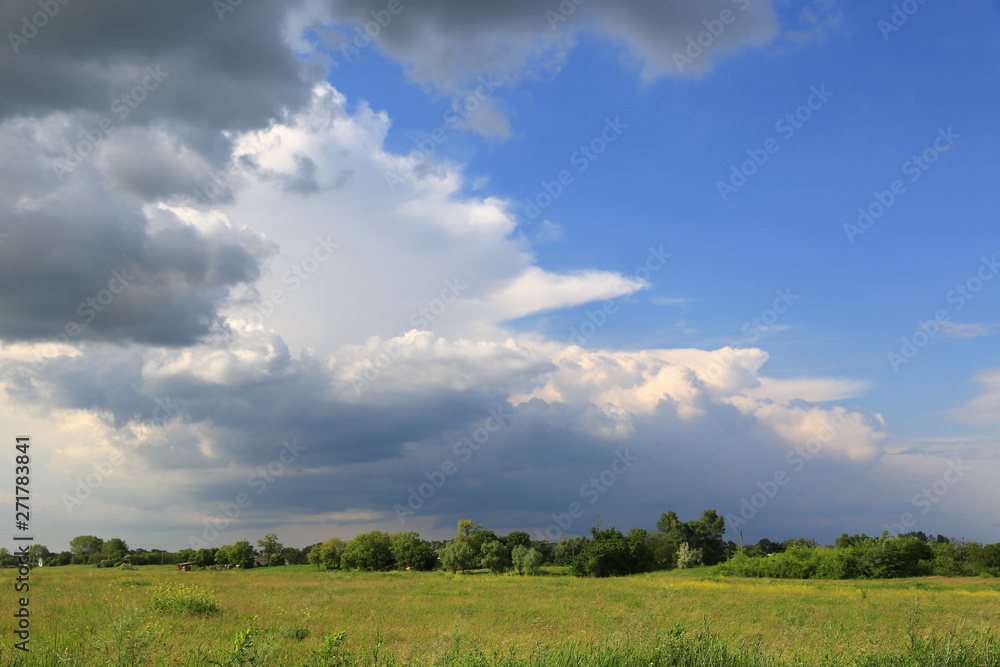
(605, 552)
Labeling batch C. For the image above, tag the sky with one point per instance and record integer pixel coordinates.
(323, 267)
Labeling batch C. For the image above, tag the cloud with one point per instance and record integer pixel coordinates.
(307, 299)
(966, 330)
(81, 262)
(665, 301)
(221, 74)
(447, 43)
(984, 408)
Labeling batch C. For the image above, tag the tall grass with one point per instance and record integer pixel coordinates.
(298, 617)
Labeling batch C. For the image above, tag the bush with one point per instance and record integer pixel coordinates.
(688, 557)
(180, 599)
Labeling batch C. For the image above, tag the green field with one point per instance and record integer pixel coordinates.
(87, 616)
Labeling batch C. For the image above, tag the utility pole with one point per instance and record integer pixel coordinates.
(741, 540)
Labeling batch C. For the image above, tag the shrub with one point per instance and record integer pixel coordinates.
(688, 557)
(180, 599)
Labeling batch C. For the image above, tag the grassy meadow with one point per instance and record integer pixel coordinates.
(82, 615)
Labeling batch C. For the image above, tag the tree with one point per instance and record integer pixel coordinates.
(241, 554)
(640, 546)
(205, 557)
(517, 538)
(495, 557)
(704, 534)
(517, 555)
(533, 561)
(567, 549)
(326, 556)
(36, 551)
(269, 545)
(294, 556)
(275, 560)
(527, 561)
(223, 555)
(610, 554)
(115, 547)
(86, 545)
(769, 547)
(456, 556)
(688, 557)
(368, 551)
(411, 552)
(466, 528)
(547, 549)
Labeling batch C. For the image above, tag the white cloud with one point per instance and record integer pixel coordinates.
(984, 408)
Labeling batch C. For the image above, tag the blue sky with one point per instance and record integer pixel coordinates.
(659, 377)
(785, 228)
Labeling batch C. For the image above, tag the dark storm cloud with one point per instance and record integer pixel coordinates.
(222, 74)
(86, 269)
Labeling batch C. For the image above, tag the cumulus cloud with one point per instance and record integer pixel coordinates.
(323, 290)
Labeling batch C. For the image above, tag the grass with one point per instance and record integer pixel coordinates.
(291, 616)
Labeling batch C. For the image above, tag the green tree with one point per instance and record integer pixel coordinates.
(326, 556)
(466, 528)
(205, 557)
(704, 534)
(269, 545)
(368, 551)
(567, 549)
(517, 555)
(115, 547)
(517, 538)
(223, 556)
(456, 555)
(242, 554)
(86, 545)
(411, 552)
(495, 557)
(610, 554)
(533, 561)
(36, 551)
(294, 556)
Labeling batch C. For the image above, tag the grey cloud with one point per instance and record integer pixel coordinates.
(85, 268)
(449, 42)
(227, 74)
